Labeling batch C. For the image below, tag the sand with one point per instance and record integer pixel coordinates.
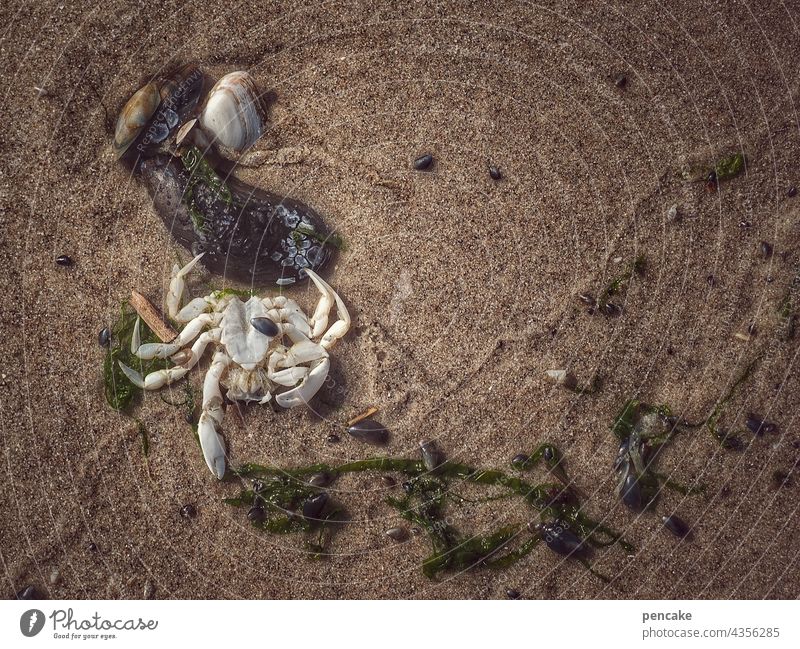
(462, 288)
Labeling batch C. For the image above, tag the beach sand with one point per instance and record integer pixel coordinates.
(463, 289)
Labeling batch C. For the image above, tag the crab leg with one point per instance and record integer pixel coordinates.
(154, 380)
(149, 351)
(193, 309)
(211, 418)
(302, 352)
(177, 285)
(319, 320)
(309, 386)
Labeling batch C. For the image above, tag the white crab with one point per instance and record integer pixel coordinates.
(250, 357)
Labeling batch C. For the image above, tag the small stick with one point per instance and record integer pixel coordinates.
(152, 317)
(367, 413)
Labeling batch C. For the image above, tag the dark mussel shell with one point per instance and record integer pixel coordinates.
(247, 234)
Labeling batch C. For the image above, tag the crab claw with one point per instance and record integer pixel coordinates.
(154, 380)
(211, 441)
(309, 386)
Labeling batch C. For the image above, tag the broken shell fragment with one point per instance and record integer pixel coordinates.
(233, 115)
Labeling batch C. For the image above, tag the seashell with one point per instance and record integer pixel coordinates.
(233, 114)
(135, 115)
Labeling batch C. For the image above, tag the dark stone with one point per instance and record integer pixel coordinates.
(423, 163)
(64, 260)
(369, 431)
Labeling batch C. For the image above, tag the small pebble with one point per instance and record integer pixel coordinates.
(256, 514)
(612, 310)
(370, 432)
(676, 526)
(258, 486)
(621, 81)
(149, 590)
(548, 454)
(389, 481)
(188, 511)
(333, 438)
(64, 260)
(321, 479)
(408, 486)
(189, 418)
(424, 162)
(759, 426)
(29, 592)
(513, 593)
(494, 172)
(587, 299)
(791, 192)
(104, 337)
(55, 576)
(91, 546)
(766, 249)
(672, 212)
(416, 531)
(397, 534)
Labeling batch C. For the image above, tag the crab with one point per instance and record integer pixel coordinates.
(250, 358)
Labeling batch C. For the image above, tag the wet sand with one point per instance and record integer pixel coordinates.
(463, 289)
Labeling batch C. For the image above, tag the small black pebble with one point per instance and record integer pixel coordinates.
(408, 486)
(711, 281)
(258, 486)
(189, 418)
(29, 592)
(64, 260)
(621, 81)
(766, 249)
(92, 546)
(676, 526)
(519, 459)
(587, 299)
(389, 481)
(670, 350)
(759, 426)
(791, 192)
(333, 438)
(513, 593)
(188, 511)
(548, 454)
(104, 337)
(369, 431)
(494, 172)
(265, 326)
(256, 514)
(612, 310)
(423, 162)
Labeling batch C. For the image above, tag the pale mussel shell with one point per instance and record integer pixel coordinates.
(135, 115)
(233, 116)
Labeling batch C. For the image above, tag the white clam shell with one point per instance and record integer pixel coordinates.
(233, 116)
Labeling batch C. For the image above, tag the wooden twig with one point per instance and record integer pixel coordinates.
(367, 413)
(152, 317)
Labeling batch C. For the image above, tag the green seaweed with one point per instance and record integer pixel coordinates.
(729, 166)
(426, 497)
(145, 437)
(726, 439)
(119, 391)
